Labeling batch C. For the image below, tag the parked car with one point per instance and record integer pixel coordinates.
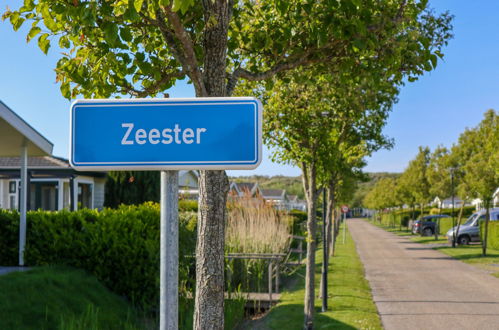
(426, 226)
(470, 230)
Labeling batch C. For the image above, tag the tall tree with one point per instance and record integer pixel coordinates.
(416, 177)
(439, 178)
(481, 169)
(142, 47)
(316, 123)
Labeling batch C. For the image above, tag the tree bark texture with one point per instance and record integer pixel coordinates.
(213, 185)
(310, 186)
(329, 228)
(209, 299)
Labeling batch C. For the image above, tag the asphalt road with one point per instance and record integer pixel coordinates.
(415, 287)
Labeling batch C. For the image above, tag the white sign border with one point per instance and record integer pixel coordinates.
(130, 166)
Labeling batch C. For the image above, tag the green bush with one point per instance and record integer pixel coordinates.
(9, 237)
(118, 246)
(401, 217)
(445, 224)
(493, 235)
(299, 221)
(187, 205)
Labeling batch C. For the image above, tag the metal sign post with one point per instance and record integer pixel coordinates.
(166, 135)
(168, 316)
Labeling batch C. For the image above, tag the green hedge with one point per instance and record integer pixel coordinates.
(493, 235)
(119, 246)
(188, 205)
(401, 217)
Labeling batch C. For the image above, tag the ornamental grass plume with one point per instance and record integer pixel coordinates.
(254, 226)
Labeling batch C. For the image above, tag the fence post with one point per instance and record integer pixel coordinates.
(277, 277)
(301, 251)
(270, 282)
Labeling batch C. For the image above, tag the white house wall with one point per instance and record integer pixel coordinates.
(99, 193)
(2, 195)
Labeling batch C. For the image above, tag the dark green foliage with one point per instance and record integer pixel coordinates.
(54, 297)
(120, 247)
(299, 220)
(132, 187)
(9, 237)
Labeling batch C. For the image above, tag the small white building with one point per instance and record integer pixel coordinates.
(50, 183)
(447, 203)
(276, 197)
(296, 204)
(188, 184)
(244, 189)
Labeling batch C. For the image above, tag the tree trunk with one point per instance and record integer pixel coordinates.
(213, 185)
(209, 299)
(335, 232)
(310, 187)
(330, 218)
(329, 227)
(486, 229)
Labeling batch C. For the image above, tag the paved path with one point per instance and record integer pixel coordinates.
(415, 287)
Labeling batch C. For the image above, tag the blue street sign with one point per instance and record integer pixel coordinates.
(166, 134)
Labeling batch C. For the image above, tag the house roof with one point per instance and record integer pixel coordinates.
(269, 193)
(188, 178)
(15, 132)
(40, 162)
(246, 185)
(449, 200)
(293, 198)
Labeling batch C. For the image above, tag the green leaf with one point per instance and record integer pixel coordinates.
(32, 33)
(18, 24)
(48, 20)
(138, 5)
(44, 43)
(433, 59)
(126, 34)
(66, 90)
(64, 42)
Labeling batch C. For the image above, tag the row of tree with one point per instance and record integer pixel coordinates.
(469, 169)
(328, 73)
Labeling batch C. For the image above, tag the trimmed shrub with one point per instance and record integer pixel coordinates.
(299, 221)
(118, 246)
(187, 205)
(493, 235)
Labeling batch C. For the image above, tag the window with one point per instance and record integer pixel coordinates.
(12, 187)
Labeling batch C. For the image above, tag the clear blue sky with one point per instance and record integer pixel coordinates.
(431, 111)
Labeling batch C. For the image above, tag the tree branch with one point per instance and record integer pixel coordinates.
(155, 87)
(191, 62)
(293, 62)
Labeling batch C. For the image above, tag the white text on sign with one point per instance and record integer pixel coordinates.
(165, 136)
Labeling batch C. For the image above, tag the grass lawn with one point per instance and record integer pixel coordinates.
(60, 298)
(470, 254)
(350, 304)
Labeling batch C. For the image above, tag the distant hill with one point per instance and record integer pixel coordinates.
(292, 184)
